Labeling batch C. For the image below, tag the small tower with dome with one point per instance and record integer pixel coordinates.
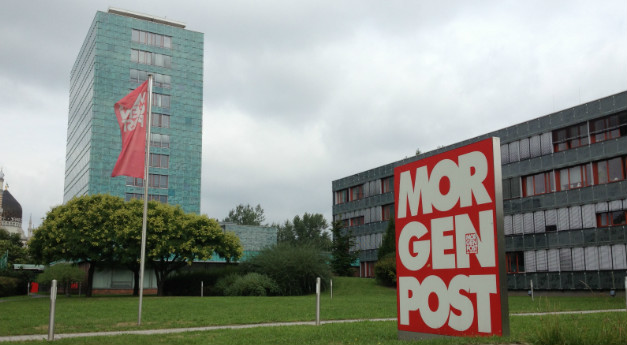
(10, 210)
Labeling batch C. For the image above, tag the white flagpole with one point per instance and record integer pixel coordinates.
(148, 124)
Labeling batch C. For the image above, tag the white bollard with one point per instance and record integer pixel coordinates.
(318, 301)
(202, 290)
(53, 300)
(532, 290)
(331, 288)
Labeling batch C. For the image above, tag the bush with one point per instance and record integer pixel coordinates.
(293, 267)
(223, 284)
(64, 274)
(252, 284)
(15, 282)
(385, 270)
(187, 283)
(8, 286)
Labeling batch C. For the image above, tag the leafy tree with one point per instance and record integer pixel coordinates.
(174, 239)
(64, 273)
(13, 244)
(81, 231)
(385, 268)
(306, 230)
(285, 232)
(342, 257)
(246, 215)
(388, 245)
(103, 229)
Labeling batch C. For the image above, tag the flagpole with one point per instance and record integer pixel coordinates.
(148, 124)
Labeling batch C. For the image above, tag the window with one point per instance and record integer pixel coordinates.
(609, 127)
(511, 188)
(150, 58)
(538, 184)
(356, 192)
(134, 181)
(158, 181)
(387, 184)
(159, 160)
(515, 262)
(161, 101)
(151, 39)
(160, 120)
(151, 197)
(388, 211)
(158, 80)
(611, 218)
(609, 170)
(570, 137)
(159, 140)
(575, 177)
(341, 196)
(357, 221)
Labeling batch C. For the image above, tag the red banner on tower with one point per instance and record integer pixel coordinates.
(132, 114)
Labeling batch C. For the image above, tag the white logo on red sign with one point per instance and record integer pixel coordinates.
(134, 116)
(472, 244)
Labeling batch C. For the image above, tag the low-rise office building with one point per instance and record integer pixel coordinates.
(564, 191)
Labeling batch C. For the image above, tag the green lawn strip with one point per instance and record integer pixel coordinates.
(603, 328)
(353, 298)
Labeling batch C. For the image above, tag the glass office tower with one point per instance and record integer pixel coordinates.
(120, 50)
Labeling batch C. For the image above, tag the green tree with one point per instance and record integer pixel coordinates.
(285, 232)
(79, 231)
(175, 239)
(12, 243)
(385, 268)
(310, 229)
(64, 273)
(102, 229)
(246, 215)
(342, 256)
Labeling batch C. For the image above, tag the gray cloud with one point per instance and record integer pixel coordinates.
(297, 94)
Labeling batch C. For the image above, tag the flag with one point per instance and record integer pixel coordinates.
(132, 114)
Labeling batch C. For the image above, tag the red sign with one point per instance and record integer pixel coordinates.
(449, 248)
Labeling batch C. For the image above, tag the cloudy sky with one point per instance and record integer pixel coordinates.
(300, 93)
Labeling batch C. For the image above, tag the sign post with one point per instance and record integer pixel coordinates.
(451, 251)
(53, 306)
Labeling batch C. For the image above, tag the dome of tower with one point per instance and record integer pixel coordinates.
(11, 209)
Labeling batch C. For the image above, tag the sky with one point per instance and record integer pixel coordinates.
(300, 93)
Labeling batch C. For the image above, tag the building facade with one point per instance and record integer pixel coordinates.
(120, 50)
(564, 191)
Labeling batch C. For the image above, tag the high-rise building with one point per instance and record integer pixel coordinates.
(564, 191)
(120, 50)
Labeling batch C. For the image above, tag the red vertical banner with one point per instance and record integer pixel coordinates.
(450, 248)
(132, 114)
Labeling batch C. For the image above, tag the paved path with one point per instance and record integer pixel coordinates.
(276, 324)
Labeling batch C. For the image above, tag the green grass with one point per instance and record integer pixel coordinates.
(353, 299)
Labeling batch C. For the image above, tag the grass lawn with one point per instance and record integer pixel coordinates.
(353, 298)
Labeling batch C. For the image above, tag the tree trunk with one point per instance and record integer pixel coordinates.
(90, 278)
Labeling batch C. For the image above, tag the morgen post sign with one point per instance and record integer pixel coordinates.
(450, 247)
